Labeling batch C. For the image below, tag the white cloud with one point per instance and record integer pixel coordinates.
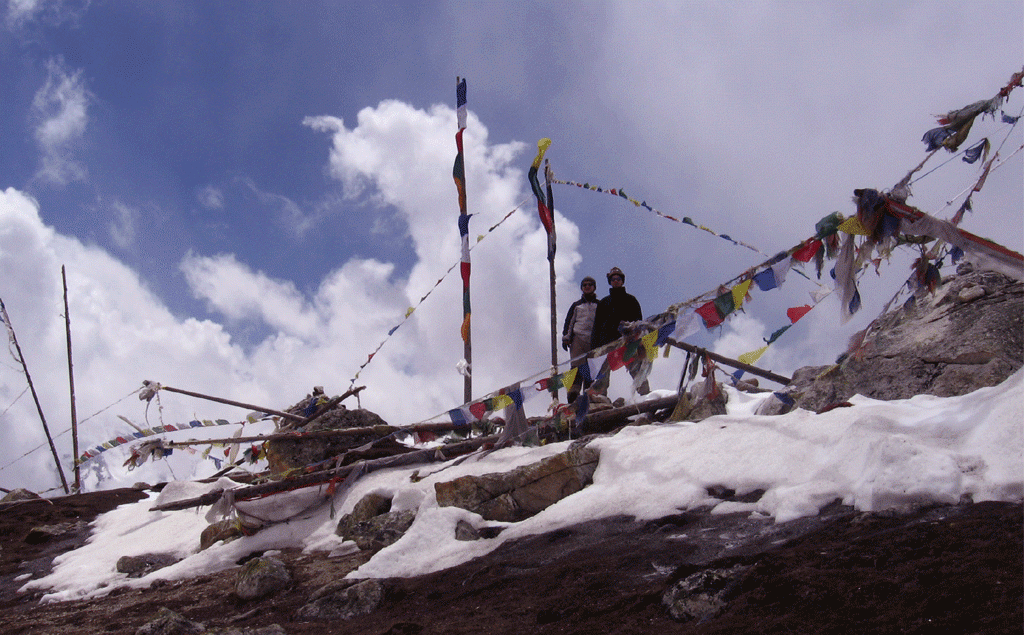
(320, 336)
(61, 108)
(124, 227)
(211, 197)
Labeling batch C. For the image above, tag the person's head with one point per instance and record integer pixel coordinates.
(588, 285)
(616, 278)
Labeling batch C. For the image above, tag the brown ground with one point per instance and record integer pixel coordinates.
(934, 570)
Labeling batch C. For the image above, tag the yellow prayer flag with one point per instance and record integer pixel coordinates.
(542, 147)
(752, 356)
(650, 345)
(502, 401)
(409, 311)
(853, 226)
(739, 292)
(569, 377)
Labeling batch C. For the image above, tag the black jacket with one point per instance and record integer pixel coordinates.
(617, 306)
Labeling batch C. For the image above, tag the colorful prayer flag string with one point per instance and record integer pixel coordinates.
(686, 220)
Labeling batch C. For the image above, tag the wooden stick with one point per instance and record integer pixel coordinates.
(39, 408)
(286, 415)
(753, 370)
(382, 431)
(318, 478)
(71, 383)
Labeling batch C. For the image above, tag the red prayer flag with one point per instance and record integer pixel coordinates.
(709, 312)
(805, 253)
(798, 312)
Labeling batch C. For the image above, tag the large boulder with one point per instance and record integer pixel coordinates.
(284, 455)
(261, 577)
(968, 334)
(525, 491)
(343, 600)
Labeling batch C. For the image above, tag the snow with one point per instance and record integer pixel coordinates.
(874, 455)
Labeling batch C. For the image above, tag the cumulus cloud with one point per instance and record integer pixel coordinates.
(60, 108)
(401, 156)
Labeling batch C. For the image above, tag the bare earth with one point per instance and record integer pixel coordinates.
(942, 569)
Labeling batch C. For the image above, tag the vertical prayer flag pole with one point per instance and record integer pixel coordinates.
(459, 174)
(551, 272)
(71, 383)
(547, 219)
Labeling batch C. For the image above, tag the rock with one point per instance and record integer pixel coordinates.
(968, 335)
(45, 533)
(260, 577)
(139, 566)
(520, 493)
(467, 532)
(287, 454)
(226, 530)
(343, 600)
(168, 622)
(19, 494)
(273, 629)
(380, 531)
(702, 595)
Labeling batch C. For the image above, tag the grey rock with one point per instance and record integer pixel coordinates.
(702, 595)
(138, 566)
(19, 494)
(226, 530)
(273, 629)
(525, 491)
(45, 533)
(343, 600)
(968, 335)
(368, 506)
(167, 622)
(261, 577)
(379, 531)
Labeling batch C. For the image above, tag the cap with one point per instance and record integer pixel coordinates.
(616, 272)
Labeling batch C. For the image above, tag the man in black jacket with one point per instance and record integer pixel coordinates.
(615, 308)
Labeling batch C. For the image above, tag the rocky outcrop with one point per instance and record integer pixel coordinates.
(138, 566)
(286, 454)
(261, 577)
(525, 491)
(968, 334)
(343, 600)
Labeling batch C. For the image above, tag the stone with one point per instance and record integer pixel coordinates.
(167, 622)
(45, 533)
(702, 595)
(967, 335)
(261, 577)
(525, 491)
(379, 531)
(226, 530)
(284, 455)
(343, 600)
(139, 566)
(19, 494)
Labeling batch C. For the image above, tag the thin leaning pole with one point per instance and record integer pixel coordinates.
(71, 383)
(39, 408)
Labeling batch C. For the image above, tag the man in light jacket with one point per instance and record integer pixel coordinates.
(578, 329)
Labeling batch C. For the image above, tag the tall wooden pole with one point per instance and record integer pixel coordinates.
(551, 275)
(39, 408)
(71, 383)
(459, 174)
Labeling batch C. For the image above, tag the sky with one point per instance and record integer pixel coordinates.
(872, 456)
(247, 197)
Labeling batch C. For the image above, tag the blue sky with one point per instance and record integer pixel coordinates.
(249, 195)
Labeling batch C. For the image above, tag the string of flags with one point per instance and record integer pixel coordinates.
(686, 220)
(130, 437)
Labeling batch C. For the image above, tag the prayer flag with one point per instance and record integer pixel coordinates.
(798, 312)
(752, 356)
(709, 312)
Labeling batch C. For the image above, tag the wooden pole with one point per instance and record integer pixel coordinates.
(460, 181)
(39, 408)
(551, 276)
(286, 415)
(71, 383)
(753, 370)
(442, 453)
